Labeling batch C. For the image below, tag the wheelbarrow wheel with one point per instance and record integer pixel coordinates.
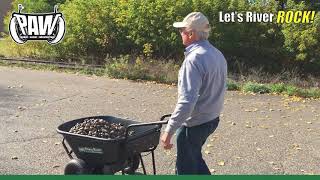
(76, 166)
(133, 164)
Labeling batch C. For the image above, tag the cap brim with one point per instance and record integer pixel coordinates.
(179, 24)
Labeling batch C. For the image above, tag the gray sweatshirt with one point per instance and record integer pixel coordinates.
(201, 86)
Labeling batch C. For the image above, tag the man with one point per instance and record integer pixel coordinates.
(201, 89)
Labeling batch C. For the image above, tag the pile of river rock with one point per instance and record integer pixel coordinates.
(100, 128)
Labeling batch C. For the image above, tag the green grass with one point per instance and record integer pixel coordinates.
(256, 88)
(281, 88)
(167, 73)
(277, 88)
(233, 86)
(293, 91)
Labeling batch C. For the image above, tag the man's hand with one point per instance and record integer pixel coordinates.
(165, 139)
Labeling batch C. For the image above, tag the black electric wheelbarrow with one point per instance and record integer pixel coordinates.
(94, 155)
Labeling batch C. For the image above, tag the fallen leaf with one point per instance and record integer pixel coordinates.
(309, 122)
(271, 136)
(44, 141)
(22, 108)
(209, 145)
(57, 143)
(263, 126)
(55, 166)
(221, 163)
(251, 110)
(213, 138)
(272, 163)
(296, 99)
(207, 152)
(233, 123)
(14, 157)
(295, 145)
(259, 149)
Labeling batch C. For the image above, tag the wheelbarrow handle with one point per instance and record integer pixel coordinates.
(165, 116)
(151, 123)
(147, 124)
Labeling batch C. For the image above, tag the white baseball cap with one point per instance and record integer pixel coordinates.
(194, 21)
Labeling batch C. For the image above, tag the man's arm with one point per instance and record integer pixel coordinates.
(191, 81)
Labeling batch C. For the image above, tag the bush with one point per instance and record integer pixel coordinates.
(256, 88)
(255, 44)
(233, 86)
(292, 90)
(302, 42)
(314, 92)
(100, 28)
(121, 68)
(142, 69)
(150, 22)
(277, 88)
(91, 30)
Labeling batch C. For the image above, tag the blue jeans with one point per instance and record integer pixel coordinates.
(189, 144)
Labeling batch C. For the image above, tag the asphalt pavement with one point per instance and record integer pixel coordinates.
(258, 134)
